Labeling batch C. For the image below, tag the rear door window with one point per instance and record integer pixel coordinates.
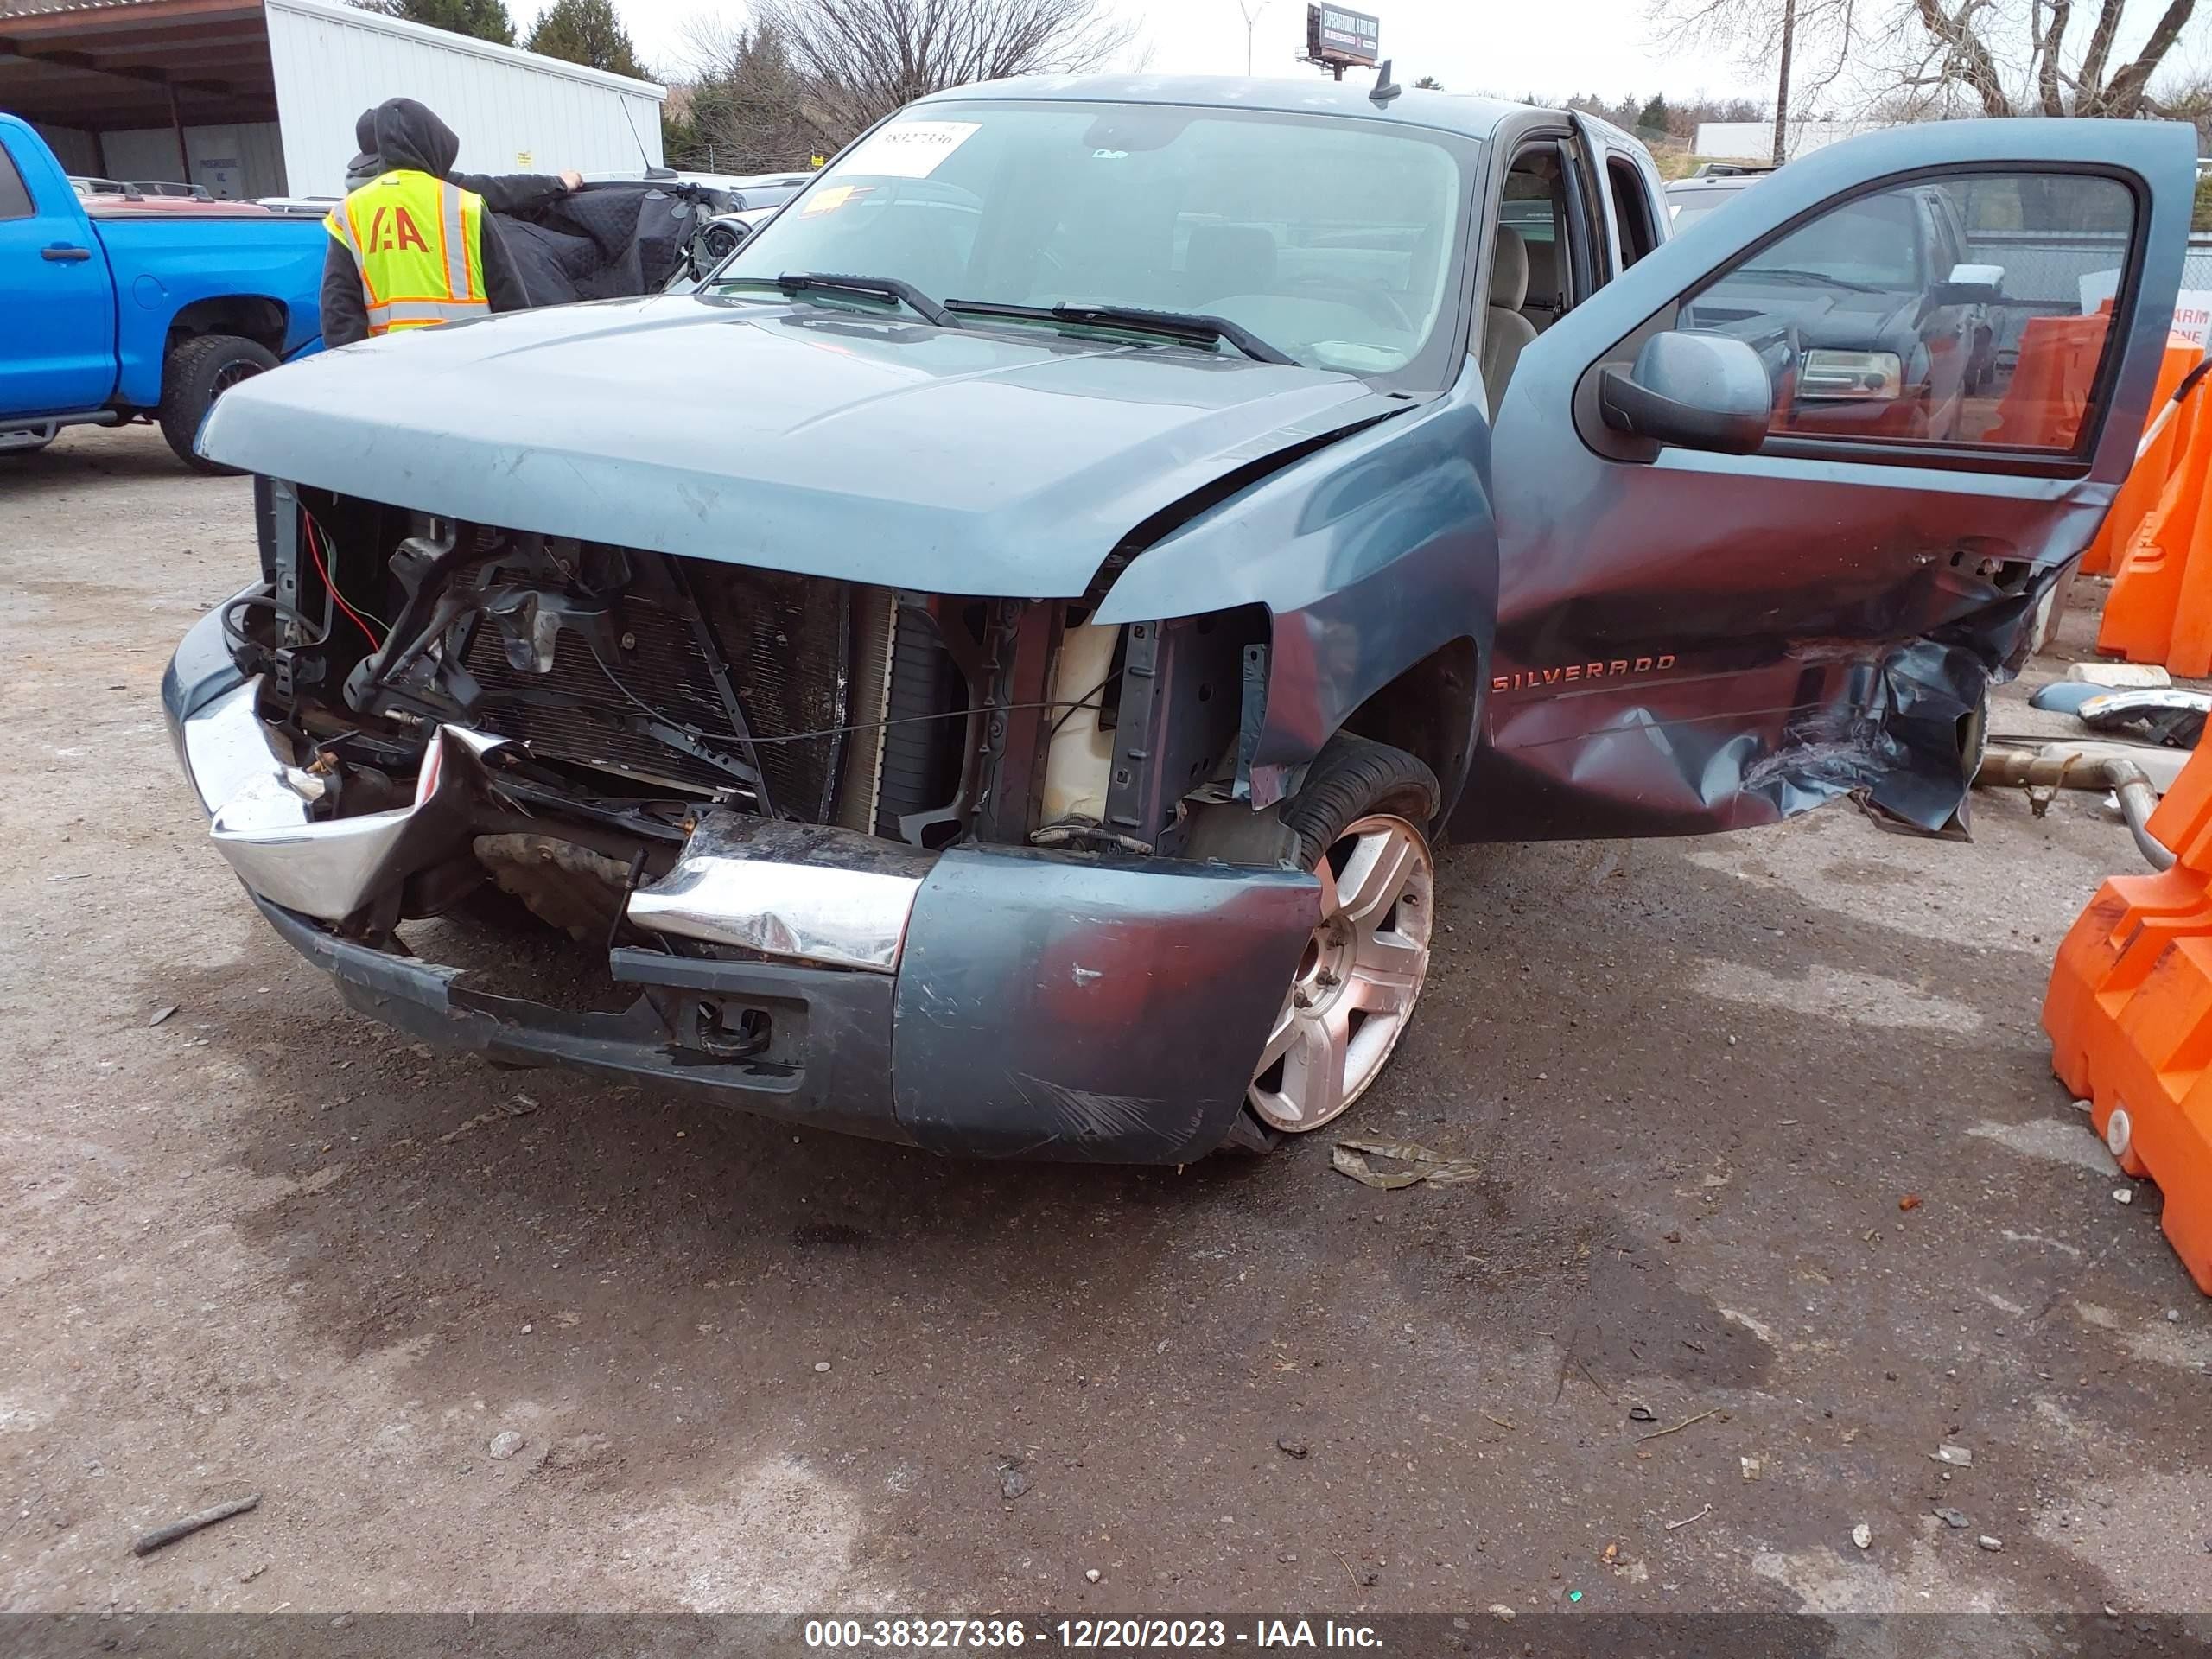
(1632, 209)
(15, 199)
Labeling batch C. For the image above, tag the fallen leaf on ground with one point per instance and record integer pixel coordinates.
(1422, 1164)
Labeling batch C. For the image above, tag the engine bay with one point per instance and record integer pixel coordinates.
(609, 700)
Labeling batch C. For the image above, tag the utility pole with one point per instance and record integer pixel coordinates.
(1252, 18)
(1782, 90)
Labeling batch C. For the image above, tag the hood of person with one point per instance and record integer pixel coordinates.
(980, 459)
(401, 133)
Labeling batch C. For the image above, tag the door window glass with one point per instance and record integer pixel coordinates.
(1976, 309)
(14, 200)
(1537, 208)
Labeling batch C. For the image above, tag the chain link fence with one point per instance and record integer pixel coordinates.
(2050, 273)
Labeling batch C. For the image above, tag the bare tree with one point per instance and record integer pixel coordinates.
(859, 60)
(1990, 57)
(1780, 35)
(1922, 59)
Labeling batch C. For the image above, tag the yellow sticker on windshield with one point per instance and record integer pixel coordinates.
(908, 149)
(830, 198)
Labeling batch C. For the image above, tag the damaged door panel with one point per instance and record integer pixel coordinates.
(1692, 639)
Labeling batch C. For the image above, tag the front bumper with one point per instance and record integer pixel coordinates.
(1035, 1006)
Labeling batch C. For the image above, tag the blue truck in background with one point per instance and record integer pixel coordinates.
(127, 310)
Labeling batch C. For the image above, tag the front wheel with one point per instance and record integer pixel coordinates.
(198, 372)
(1362, 823)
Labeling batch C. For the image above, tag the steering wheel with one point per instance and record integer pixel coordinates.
(1378, 303)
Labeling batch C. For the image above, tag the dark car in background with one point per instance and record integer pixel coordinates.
(1884, 318)
(990, 667)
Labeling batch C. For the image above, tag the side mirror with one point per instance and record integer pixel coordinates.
(1971, 285)
(1694, 391)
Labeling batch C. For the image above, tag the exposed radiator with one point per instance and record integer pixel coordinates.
(786, 639)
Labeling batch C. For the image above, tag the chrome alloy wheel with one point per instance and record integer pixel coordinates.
(1358, 982)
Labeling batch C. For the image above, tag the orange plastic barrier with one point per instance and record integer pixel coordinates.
(2050, 382)
(2160, 607)
(2129, 1012)
(2154, 463)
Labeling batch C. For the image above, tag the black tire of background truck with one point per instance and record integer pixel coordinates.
(197, 371)
(1351, 777)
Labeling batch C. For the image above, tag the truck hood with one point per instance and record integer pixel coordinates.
(794, 437)
(1841, 317)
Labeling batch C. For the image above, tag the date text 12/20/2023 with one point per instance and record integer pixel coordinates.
(1101, 1635)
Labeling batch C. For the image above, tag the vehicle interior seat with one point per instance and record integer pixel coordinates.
(1506, 332)
(1224, 259)
(1541, 305)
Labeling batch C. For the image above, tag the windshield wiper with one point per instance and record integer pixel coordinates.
(881, 288)
(1791, 274)
(1195, 327)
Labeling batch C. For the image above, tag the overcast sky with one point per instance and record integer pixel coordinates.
(1596, 46)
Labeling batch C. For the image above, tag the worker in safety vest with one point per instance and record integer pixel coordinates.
(409, 248)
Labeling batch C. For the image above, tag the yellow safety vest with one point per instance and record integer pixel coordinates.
(418, 243)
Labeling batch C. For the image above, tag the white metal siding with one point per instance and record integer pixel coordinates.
(514, 111)
(1753, 141)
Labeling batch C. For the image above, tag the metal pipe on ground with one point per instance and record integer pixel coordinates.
(2010, 768)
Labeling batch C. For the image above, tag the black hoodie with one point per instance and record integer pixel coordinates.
(503, 193)
(406, 135)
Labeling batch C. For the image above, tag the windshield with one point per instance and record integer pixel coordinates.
(1330, 239)
(1872, 243)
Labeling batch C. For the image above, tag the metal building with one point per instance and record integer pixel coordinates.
(257, 98)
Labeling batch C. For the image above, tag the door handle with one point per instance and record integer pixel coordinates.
(63, 253)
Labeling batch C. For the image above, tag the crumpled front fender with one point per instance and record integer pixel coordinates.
(1371, 555)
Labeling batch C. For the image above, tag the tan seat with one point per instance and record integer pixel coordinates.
(1540, 304)
(1506, 333)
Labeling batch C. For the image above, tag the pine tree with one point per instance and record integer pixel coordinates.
(746, 113)
(587, 32)
(487, 20)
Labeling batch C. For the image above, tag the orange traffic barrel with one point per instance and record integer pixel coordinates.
(2129, 1013)
(2051, 380)
(2160, 607)
(2166, 438)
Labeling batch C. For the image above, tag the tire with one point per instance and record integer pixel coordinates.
(199, 370)
(1351, 777)
(1362, 822)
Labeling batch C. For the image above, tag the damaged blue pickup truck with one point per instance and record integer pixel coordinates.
(991, 668)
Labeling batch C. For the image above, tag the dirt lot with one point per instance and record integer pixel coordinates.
(266, 1246)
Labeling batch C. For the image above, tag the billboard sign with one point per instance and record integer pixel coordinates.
(1335, 36)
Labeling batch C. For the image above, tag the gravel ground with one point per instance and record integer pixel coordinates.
(266, 1246)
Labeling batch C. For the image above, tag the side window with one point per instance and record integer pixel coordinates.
(1632, 209)
(1877, 324)
(15, 200)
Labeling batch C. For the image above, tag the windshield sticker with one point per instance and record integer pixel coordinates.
(830, 198)
(910, 149)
